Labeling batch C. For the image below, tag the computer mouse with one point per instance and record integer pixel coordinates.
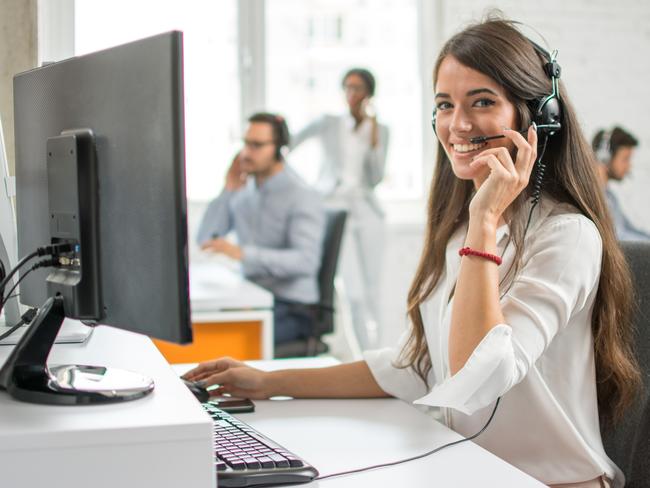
(199, 391)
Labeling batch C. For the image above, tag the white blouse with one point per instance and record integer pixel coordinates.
(355, 144)
(541, 361)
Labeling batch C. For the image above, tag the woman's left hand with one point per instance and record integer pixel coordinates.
(507, 179)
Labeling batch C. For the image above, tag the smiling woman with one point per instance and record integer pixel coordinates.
(501, 328)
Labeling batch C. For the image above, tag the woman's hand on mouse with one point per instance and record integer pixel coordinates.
(233, 377)
(507, 179)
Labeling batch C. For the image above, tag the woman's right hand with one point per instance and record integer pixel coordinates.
(233, 377)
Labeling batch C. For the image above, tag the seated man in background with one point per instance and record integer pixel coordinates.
(279, 222)
(614, 149)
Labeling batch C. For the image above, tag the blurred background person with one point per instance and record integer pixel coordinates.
(614, 150)
(354, 147)
(279, 222)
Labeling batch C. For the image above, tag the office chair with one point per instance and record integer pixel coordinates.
(323, 311)
(628, 443)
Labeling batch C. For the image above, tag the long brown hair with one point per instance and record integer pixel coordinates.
(497, 49)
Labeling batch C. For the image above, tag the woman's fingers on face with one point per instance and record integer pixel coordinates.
(494, 162)
(532, 136)
(526, 148)
(498, 169)
(501, 153)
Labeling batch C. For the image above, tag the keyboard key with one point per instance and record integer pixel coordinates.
(238, 465)
(266, 462)
(279, 461)
(252, 463)
(294, 462)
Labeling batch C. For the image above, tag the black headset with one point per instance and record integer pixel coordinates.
(281, 133)
(547, 110)
(604, 148)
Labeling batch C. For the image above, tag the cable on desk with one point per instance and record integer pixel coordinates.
(419, 456)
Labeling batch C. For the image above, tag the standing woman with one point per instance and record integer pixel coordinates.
(354, 149)
(520, 308)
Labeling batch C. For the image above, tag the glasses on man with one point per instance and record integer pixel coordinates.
(256, 145)
(352, 88)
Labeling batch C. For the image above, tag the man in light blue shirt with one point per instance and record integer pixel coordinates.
(613, 149)
(279, 222)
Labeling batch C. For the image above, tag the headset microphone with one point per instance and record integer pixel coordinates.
(546, 127)
(480, 139)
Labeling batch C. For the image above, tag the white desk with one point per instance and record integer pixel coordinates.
(340, 435)
(163, 440)
(219, 293)
(216, 285)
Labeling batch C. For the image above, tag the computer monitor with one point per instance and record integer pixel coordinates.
(100, 175)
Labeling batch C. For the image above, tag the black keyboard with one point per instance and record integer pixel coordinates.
(244, 457)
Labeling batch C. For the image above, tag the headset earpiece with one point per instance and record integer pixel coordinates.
(547, 111)
(282, 134)
(433, 120)
(604, 149)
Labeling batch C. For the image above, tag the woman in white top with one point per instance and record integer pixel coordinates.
(548, 330)
(353, 162)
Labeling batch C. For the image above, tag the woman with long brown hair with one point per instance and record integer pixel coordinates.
(522, 297)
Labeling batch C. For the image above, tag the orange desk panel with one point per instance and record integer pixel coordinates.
(240, 340)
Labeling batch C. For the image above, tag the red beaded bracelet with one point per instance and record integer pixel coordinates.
(468, 251)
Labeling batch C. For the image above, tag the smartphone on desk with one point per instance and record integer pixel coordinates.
(232, 404)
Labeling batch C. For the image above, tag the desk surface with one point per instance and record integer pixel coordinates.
(339, 435)
(164, 440)
(217, 285)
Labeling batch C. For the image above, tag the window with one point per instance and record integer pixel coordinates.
(212, 93)
(310, 45)
(289, 57)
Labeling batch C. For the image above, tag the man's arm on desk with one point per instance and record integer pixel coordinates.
(351, 380)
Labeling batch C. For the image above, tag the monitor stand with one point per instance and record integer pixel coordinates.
(27, 377)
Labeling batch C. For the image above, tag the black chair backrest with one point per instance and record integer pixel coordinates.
(628, 443)
(334, 227)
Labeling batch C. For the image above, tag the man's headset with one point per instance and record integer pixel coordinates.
(281, 133)
(547, 110)
(604, 149)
